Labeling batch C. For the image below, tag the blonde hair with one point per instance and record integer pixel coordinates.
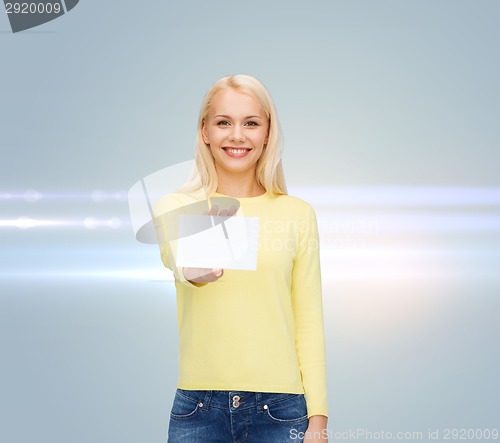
(269, 170)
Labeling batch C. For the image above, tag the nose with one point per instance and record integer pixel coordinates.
(237, 134)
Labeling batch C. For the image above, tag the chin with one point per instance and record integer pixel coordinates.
(235, 168)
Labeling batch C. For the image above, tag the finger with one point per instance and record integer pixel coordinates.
(214, 210)
(200, 272)
(232, 210)
(223, 212)
(218, 273)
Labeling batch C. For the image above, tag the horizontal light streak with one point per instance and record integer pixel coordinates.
(410, 262)
(337, 272)
(324, 195)
(32, 196)
(331, 224)
(368, 196)
(28, 223)
(381, 262)
(377, 222)
(130, 274)
(409, 251)
(87, 223)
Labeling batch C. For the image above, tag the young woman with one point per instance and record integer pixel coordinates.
(252, 364)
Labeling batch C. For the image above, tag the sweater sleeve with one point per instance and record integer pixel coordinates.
(165, 230)
(308, 312)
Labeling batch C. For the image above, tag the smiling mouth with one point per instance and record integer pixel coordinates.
(236, 152)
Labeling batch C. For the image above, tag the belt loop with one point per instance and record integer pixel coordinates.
(258, 401)
(206, 402)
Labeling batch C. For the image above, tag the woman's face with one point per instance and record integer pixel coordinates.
(236, 130)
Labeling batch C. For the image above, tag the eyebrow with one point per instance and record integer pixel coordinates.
(227, 116)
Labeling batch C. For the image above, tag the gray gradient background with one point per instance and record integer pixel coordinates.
(390, 115)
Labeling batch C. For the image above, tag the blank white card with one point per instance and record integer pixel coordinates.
(210, 248)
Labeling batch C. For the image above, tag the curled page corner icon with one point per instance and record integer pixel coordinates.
(26, 15)
(144, 195)
(195, 237)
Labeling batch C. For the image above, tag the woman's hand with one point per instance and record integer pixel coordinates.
(214, 210)
(202, 275)
(317, 431)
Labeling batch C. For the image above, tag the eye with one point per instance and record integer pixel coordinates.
(252, 123)
(222, 123)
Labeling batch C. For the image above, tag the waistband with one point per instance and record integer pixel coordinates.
(235, 400)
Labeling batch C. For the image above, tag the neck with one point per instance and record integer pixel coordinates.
(239, 185)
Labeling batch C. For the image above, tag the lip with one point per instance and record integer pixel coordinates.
(243, 151)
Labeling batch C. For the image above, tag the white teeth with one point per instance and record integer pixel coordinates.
(235, 151)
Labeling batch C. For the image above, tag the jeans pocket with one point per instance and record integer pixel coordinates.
(292, 409)
(183, 407)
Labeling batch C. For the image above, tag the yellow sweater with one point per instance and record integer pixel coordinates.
(256, 330)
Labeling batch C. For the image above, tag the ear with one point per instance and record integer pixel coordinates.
(204, 133)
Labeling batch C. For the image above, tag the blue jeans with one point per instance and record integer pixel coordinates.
(237, 417)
